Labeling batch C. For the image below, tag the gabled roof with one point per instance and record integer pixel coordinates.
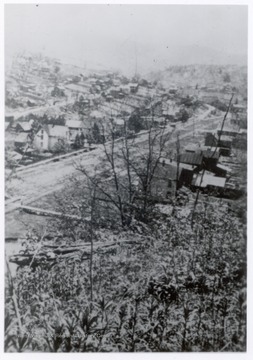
(191, 158)
(56, 130)
(77, 124)
(26, 126)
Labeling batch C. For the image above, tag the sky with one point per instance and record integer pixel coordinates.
(127, 37)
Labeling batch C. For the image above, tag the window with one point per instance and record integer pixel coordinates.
(169, 183)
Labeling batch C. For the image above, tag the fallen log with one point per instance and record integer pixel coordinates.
(48, 254)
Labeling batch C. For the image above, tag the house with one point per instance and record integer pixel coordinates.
(9, 118)
(25, 126)
(96, 115)
(173, 90)
(211, 139)
(224, 143)
(116, 82)
(192, 148)
(239, 115)
(240, 141)
(49, 135)
(133, 87)
(209, 183)
(25, 87)
(221, 170)
(237, 108)
(239, 119)
(58, 91)
(168, 177)
(125, 89)
(119, 124)
(22, 140)
(114, 91)
(210, 158)
(227, 131)
(75, 127)
(7, 126)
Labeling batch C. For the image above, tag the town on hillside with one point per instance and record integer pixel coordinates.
(52, 110)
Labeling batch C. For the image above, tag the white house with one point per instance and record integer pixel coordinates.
(49, 135)
(75, 127)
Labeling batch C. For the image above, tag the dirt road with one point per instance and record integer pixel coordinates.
(49, 177)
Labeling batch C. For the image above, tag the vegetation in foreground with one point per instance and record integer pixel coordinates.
(176, 288)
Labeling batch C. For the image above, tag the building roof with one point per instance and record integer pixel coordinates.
(15, 155)
(78, 88)
(212, 148)
(174, 163)
(26, 126)
(206, 151)
(21, 138)
(239, 106)
(77, 124)
(192, 148)
(225, 138)
(57, 130)
(96, 114)
(223, 167)
(133, 84)
(243, 131)
(169, 171)
(119, 122)
(211, 153)
(227, 129)
(210, 180)
(191, 158)
(114, 88)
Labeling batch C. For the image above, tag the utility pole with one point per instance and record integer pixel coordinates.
(135, 50)
(203, 171)
(178, 161)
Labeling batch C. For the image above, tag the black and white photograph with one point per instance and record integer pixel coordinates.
(125, 178)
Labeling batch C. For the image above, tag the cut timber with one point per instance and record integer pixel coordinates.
(50, 255)
(43, 212)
